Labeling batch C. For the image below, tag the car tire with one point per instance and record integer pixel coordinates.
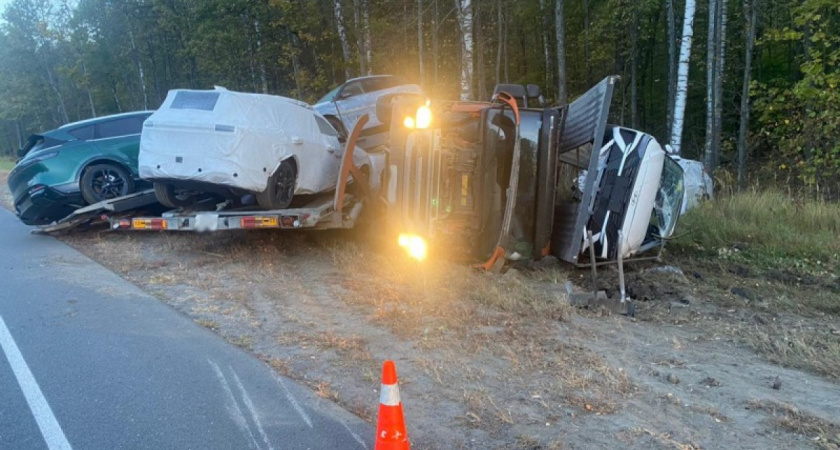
(105, 181)
(167, 196)
(281, 187)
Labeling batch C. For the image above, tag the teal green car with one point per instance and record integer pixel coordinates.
(78, 164)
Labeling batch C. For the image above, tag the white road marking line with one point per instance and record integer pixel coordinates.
(233, 407)
(294, 402)
(355, 436)
(47, 423)
(250, 405)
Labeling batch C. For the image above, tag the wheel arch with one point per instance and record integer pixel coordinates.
(296, 161)
(102, 160)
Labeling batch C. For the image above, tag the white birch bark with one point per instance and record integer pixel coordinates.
(140, 73)
(719, 75)
(545, 37)
(743, 129)
(366, 28)
(682, 76)
(420, 38)
(672, 61)
(711, 62)
(465, 25)
(342, 36)
(562, 95)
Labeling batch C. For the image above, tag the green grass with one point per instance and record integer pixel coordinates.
(765, 228)
(6, 163)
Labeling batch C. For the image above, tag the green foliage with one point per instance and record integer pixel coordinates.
(64, 60)
(799, 121)
(6, 163)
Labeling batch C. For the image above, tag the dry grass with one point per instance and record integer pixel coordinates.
(767, 228)
(824, 434)
(816, 351)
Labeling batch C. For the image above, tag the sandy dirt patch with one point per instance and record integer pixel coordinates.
(502, 361)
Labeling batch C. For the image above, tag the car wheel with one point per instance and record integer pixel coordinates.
(105, 181)
(168, 196)
(281, 187)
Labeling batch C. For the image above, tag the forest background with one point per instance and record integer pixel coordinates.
(757, 90)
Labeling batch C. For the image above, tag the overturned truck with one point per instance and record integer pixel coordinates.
(498, 181)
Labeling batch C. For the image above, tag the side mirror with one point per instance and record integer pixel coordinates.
(21, 152)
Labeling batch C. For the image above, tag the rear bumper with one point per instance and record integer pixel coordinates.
(47, 205)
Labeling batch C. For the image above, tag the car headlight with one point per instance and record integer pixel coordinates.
(414, 245)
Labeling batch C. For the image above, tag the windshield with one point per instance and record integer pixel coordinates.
(329, 96)
(669, 199)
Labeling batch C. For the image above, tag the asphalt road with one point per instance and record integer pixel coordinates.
(92, 362)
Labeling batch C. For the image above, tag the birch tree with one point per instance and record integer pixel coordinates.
(562, 95)
(672, 61)
(711, 62)
(682, 76)
(720, 74)
(420, 38)
(342, 36)
(465, 25)
(743, 128)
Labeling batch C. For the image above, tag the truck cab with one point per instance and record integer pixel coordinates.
(484, 181)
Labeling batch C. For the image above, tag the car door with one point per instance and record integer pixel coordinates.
(331, 150)
(353, 103)
(119, 139)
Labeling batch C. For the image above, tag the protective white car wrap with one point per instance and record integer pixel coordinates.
(238, 139)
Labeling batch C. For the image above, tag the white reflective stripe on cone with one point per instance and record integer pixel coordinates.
(389, 395)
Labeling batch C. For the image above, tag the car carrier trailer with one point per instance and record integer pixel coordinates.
(334, 210)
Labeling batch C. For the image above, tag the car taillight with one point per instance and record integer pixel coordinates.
(258, 222)
(149, 224)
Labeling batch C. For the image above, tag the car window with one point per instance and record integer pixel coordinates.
(329, 96)
(205, 101)
(379, 83)
(354, 88)
(119, 127)
(82, 133)
(325, 126)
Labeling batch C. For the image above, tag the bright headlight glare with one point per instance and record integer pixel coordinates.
(424, 117)
(414, 245)
(409, 122)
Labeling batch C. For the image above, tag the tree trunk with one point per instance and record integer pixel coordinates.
(342, 36)
(711, 62)
(562, 96)
(87, 88)
(465, 25)
(682, 76)
(360, 41)
(545, 38)
(366, 32)
(435, 46)
(479, 37)
(140, 73)
(420, 39)
(499, 26)
(743, 129)
(672, 62)
(260, 59)
(634, 63)
(719, 76)
(586, 58)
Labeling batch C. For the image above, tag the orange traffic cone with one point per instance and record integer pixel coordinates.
(390, 428)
